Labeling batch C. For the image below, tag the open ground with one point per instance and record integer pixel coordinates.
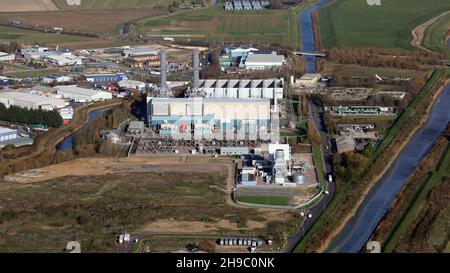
(132, 195)
(27, 5)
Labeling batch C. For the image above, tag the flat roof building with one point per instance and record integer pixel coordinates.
(31, 101)
(82, 94)
(263, 61)
(345, 143)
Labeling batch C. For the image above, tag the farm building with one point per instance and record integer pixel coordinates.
(206, 116)
(242, 89)
(261, 61)
(6, 57)
(31, 101)
(52, 78)
(82, 94)
(101, 78)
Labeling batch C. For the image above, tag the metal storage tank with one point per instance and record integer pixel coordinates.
(299, 178)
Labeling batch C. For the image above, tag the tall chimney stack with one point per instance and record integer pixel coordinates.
(163, 68)
(196, 67)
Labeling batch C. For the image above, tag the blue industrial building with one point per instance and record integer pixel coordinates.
(106, 78)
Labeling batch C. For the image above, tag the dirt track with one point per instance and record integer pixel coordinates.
(419, 32)
(27, 5)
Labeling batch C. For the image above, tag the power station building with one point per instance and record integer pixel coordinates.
(206, 116)
(241, 89)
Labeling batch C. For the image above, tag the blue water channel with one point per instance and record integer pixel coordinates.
(67, 143)
(358, 230)
(307, 34)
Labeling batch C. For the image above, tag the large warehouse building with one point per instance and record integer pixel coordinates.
(31, 101)
(82, 94)
(206, 116)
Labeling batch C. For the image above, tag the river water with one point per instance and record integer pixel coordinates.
(67, 143)
(307, 34)
(380, 198)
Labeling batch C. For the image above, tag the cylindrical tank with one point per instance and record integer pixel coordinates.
(299, 178)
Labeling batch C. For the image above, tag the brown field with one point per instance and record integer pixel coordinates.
(91, 200)
(27, 5)
(83, 20)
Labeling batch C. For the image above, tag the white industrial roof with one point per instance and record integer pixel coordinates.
(27, 97)
(264, 58)
(77, 90)
(6, 130)
(3, 53)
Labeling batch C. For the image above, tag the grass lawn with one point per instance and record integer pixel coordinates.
(435, 34)
(318, 161)
(215, 24)
(350, 70)
(354, 23)
(265, 200)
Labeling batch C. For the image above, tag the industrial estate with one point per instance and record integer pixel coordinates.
(224, 126)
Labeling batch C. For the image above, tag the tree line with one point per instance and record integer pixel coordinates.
(30, 116)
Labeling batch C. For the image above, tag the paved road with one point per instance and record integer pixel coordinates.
(316, 114)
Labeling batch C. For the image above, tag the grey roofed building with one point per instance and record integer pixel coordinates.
(135, 127)
(345, 144)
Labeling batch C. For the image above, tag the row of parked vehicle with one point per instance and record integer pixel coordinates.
(240, 242)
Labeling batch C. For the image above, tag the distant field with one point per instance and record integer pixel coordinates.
(111, 4)
(350, 70)
(353, 23)
(27, 5)
(83, 20)
(8, 34)
(435, 34)
(213, 24)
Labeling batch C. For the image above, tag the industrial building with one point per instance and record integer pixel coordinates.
(262, 60)
(360, 110)
(82, 94)
(204, 117)
(56, 78)
(240, 51)
(308, 80)
(132, 85)
(105, 78)
(31, 101)
(64, 59)
(134, 52)
(345, 143)
(7, 134)
(7, 57)
(241, 89)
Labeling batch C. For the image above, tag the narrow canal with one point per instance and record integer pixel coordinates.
(67, 143)
(358, 230)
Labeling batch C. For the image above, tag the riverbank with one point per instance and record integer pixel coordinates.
(407, 204)
(349, 193)
(42, 152)
(396, 148)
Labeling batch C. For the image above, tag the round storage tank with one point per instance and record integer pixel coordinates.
(299, 178)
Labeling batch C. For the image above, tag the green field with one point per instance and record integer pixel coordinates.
(354, 23)
(265, 200)
(434, 35)
(34, 73)
(111, 4)
(214, 24)
(8, 34)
